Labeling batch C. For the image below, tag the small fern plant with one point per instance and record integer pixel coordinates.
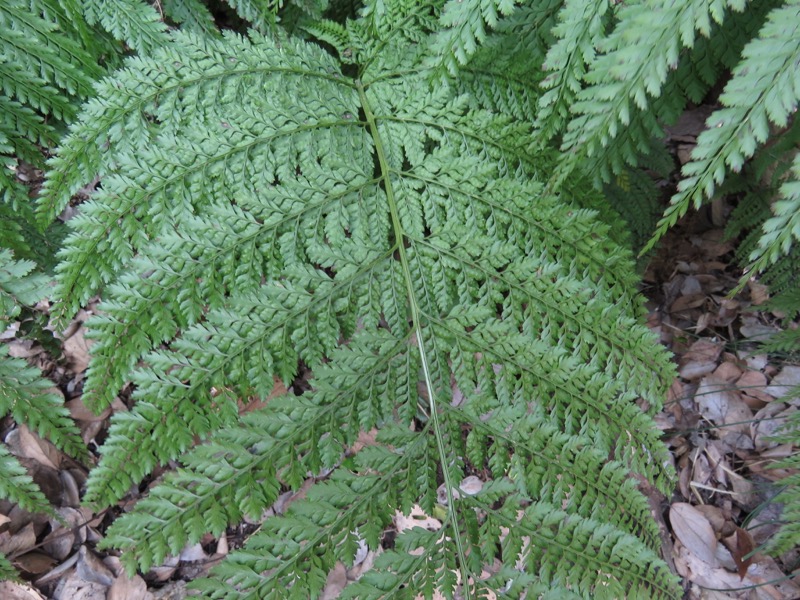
(267, 204)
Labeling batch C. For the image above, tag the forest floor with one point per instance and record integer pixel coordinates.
(722, 407)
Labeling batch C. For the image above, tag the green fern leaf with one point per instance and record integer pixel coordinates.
(7, 570)
(636, 60)
(763, 90)
(466, 25)
(136, 23)
(193, 15)
(17, 486)
(781, 231)
(788, 535)
(396, 240)
(582, 24)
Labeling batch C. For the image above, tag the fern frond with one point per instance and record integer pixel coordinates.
(34, 92)
(27, 396)
(131, 21)
(7, 570)
(637, 201)
(582, 24)
(17, 486)
(635, 63)
(24, 393)
(788, 535)
(68, 18)
(19, 285)
(396, 240)
(259, 13)
(192, 15)
(782, 230)
(35, 48)
(20, 125)
(466, 27)
(763, 90)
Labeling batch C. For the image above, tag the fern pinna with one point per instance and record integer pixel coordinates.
(267, 204)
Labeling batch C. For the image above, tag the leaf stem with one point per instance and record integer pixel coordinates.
(416, 318)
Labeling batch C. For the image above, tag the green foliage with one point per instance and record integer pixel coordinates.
(25, 395)
(44, 69)
(143, 28)
(764, 90)
(265, 205)
(788, 535)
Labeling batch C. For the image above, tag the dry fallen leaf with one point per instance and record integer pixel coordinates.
(24, 443)
(694, 531)
(753, 385)
(783, 382)
(91, 568)
(10, 590)
(416, 518)
(741, 546)
(700, 359)
(129, 589)
(74, 587)
(722, 404)
(76, 350)
(337, 579)
(18, 542)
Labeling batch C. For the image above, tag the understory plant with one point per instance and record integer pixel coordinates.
(324, 203)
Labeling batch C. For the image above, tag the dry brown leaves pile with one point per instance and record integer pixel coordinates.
(726, 402)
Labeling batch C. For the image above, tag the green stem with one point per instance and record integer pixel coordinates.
(416, 319)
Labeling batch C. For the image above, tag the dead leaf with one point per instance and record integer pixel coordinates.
(721, 404)
(25, 444)
(128, 589)
(727, 371)
(10, 590)
(74, 587)
(686, 302)
(753, 386)
(24, 349)
(337, 579)
(79, 412)
(741, 546)
(254, 403)
(194, 553)
(76, 350)
(91, 568)
(756, 331)
(700, 359)
(4, 523)
(35, 563)
(694, 531)
(759, 293)
(782, 384)
(416, 518)
(471, 485)
(19, 542)
(766, 423)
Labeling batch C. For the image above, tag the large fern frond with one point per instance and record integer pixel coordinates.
(395, 239)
